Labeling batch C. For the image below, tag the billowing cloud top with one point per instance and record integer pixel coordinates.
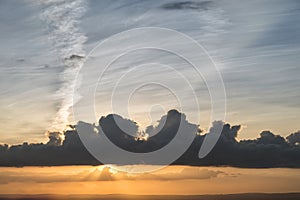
(269, 150)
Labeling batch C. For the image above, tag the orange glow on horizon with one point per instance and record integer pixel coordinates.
(175, 180)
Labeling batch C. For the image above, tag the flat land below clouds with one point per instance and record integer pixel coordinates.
(281, 196)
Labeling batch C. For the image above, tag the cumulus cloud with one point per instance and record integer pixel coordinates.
(120, 131)
(55, 138)
(269, 150)
(187, 5)
(294, 138)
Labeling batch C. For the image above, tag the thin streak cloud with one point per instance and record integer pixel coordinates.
(62, 20)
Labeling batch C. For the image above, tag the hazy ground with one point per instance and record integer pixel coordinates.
(287, 196)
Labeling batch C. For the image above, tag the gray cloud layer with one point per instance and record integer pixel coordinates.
(269, 150)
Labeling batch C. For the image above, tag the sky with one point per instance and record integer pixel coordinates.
(172, 180)
(255, 46)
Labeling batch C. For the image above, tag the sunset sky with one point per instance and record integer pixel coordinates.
(255, 46)
(200, 96)
(173, 180)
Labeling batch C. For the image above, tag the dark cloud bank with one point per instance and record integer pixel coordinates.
(269, 150)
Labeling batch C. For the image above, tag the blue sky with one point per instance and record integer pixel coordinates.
(255, 45)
